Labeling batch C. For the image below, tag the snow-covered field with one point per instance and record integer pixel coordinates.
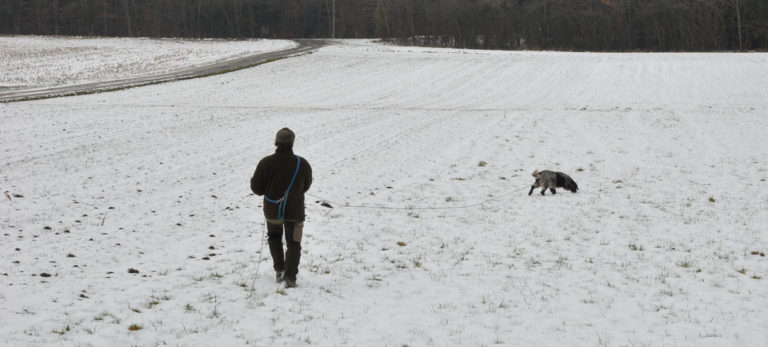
(663, 246)
(40, 61)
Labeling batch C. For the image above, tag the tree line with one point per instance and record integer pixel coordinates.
(594, 25)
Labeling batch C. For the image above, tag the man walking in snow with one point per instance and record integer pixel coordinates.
(283, 178)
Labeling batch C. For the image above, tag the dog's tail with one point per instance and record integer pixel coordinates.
(567, 182)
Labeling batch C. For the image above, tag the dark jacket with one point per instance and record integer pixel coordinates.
(272, 176)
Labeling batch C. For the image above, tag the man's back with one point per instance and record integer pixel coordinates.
(272, 177)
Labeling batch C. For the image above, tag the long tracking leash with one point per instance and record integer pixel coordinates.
(384, 207)
(378, 207)
(258, 263)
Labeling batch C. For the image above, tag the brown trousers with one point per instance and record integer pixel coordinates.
(288, 261)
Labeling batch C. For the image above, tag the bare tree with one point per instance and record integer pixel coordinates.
(597, 25)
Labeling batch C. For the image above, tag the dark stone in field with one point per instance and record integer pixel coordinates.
(211, 254)
(46, 228)
(17, 249)
(211, 247)
(206, 258)
(133, 271)
(325, 204)
(212, 235)
(70, 255)
(45, 274)
(18, 196)
(83, 296)
(16, 262)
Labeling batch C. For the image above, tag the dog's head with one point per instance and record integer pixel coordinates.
(536, 173)
(571, 185)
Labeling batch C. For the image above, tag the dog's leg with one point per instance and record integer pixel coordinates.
(552, 190)
(543, 190)
(531, 191)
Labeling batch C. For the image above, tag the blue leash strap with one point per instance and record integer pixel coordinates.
(281, 203)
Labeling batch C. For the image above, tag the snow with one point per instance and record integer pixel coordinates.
(42, 61)
(663, 245)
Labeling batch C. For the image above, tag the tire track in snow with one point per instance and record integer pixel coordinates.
(305, 46)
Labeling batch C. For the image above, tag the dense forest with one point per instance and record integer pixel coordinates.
(595, 25)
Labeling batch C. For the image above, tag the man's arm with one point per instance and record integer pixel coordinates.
(257, 181)
(308, 179)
